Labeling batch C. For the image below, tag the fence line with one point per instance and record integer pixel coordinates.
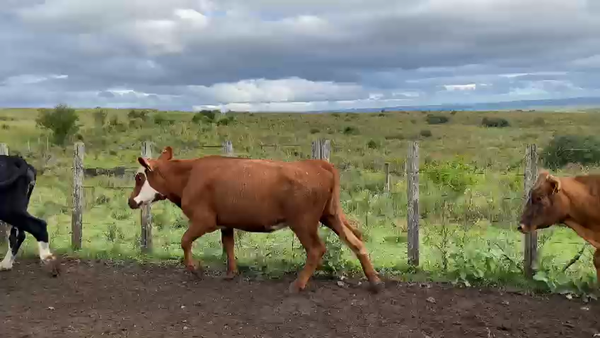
(77, 213)
(530, 242)
(321, 149)
(3, 226)
(146, 212)
(412, 191)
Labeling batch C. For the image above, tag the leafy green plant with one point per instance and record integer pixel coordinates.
(454, 174)
(62, 121)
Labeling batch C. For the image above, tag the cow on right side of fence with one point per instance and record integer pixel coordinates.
(573, 201)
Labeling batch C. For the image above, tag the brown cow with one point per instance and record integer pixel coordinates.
(253, 195)
(573, 201)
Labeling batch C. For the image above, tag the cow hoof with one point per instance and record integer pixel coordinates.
(52, 265)
(230, 276)
(5, 266)
(195, 271)
(377, 287)
(294, 289)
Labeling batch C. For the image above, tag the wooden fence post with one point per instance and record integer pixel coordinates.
(228, 148)
(321, 149)
(77, 213)
(3, 226)
(387, 185)
(146, 212)
(412, 171)
(530, 240)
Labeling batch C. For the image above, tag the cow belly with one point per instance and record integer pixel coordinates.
(264, 228)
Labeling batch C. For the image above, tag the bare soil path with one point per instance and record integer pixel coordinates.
(95, 299)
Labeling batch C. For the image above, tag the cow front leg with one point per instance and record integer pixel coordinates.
(228, 241)
(195, 231)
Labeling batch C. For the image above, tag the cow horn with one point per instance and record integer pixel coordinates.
(555, 182)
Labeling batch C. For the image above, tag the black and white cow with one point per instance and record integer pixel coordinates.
(17, 180)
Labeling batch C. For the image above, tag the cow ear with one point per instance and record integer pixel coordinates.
(166, 154)
(146, 163)
(554, 183)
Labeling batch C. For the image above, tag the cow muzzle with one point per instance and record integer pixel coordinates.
(133, 204)
(524, 229)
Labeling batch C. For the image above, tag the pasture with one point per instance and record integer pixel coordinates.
(471, 188)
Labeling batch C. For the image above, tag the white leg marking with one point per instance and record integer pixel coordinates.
(9, 259)
(146, 195)
(44, 250)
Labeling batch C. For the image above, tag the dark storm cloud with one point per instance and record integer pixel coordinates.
(417, 49)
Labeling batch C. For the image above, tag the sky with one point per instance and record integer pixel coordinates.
(295, 55)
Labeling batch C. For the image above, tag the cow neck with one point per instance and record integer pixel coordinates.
(584, 211)
(176, 173)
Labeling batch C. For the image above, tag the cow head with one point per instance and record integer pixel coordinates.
(149, 184)
(545, 206)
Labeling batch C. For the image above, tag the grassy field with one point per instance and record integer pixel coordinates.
(471, 189)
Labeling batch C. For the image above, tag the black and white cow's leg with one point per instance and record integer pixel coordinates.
(8, 260)
(15, 239)
(38, 229)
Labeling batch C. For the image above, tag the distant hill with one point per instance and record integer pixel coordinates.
(580, 102)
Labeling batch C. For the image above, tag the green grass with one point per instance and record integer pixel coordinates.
(471, 188)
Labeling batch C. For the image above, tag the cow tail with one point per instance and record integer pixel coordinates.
(335, 206)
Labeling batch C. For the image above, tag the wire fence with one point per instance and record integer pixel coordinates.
(415, 195)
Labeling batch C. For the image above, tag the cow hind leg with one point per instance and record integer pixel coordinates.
(15, 239)
(357, 246)
(228, 241)
(38, 229)
(315, 249)
(597, 266)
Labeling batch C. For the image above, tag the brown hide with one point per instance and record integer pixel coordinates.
(257, 195)
(574, 201)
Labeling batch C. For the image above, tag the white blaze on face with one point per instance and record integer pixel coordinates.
(147, 193)
(44, 250)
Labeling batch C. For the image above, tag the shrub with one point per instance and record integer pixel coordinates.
(161, 119)
(135, 114)
(350, 130)
(565, 149)
(426, 133)
(437, 119)
(494, 122)
(538, 121)
(100, 117)
(226, 121)
(61, 121)
(114, 124)
(372, 144)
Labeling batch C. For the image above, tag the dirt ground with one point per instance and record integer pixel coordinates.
(93, 299)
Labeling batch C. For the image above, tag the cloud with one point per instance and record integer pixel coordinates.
(295, 55)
